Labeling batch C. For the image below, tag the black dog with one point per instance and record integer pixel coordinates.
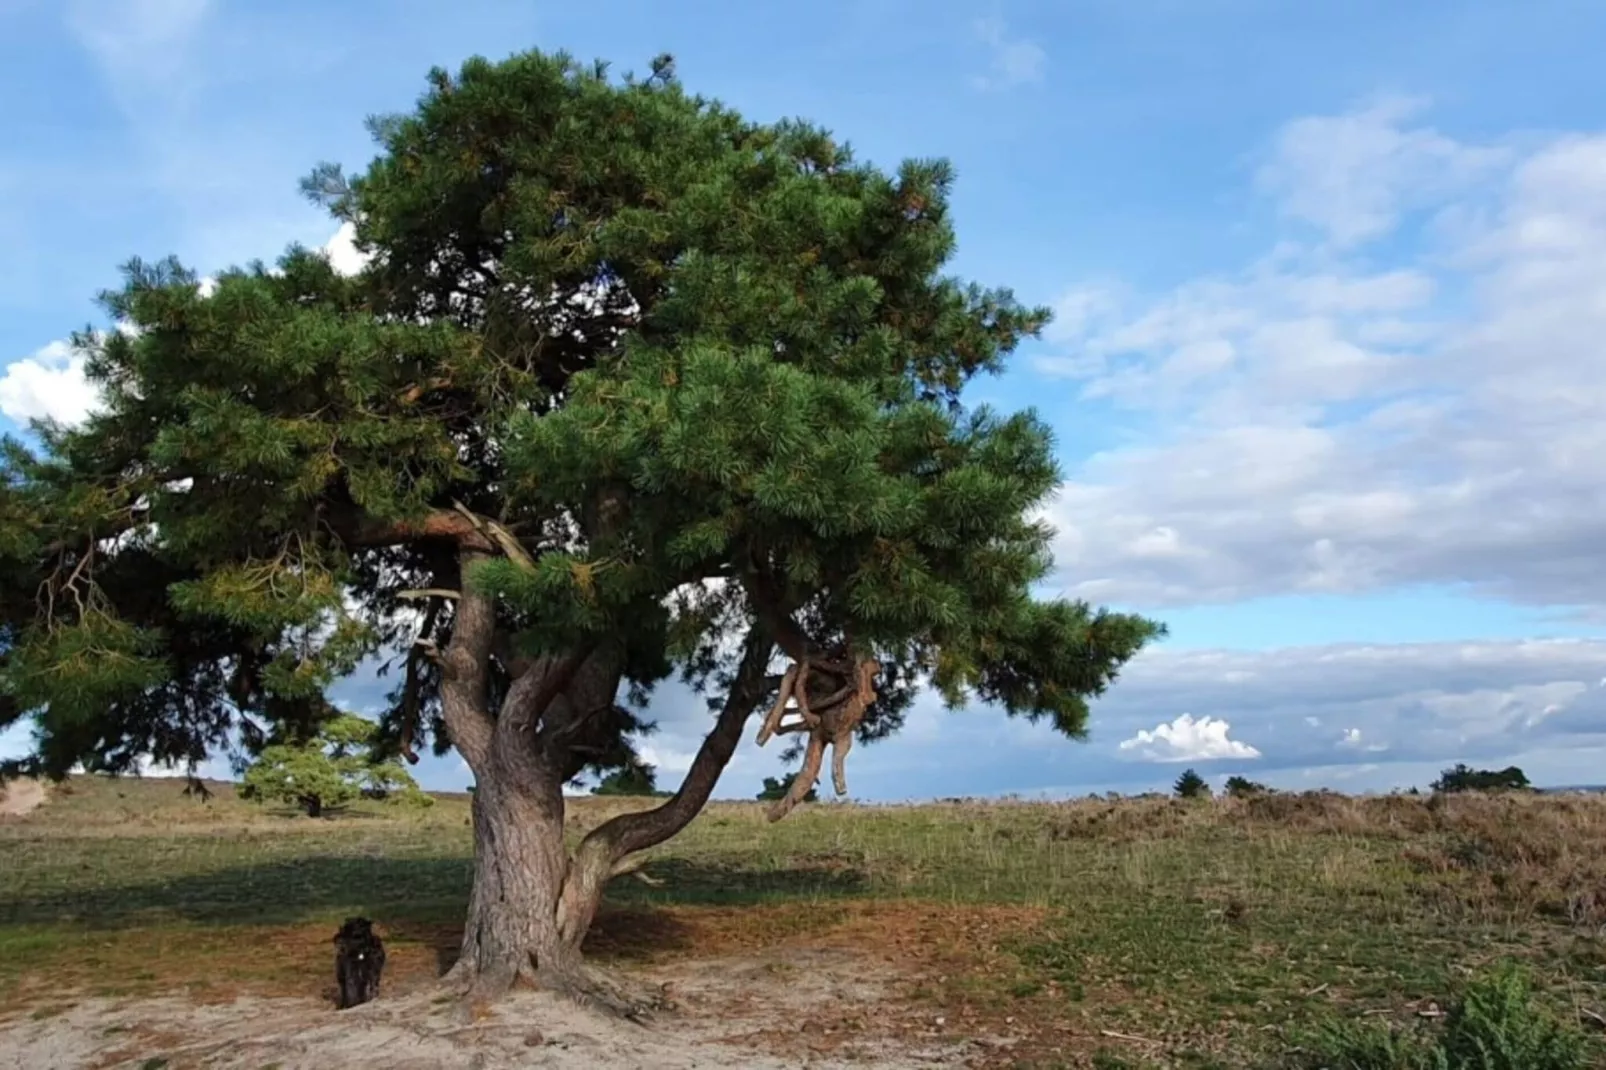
(359, 958)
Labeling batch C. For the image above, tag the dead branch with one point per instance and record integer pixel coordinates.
(501, 536)
(829, 716)
(804, 781)
(772, 720)
(428, 592)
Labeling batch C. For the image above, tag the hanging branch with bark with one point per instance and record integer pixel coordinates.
(831, 697)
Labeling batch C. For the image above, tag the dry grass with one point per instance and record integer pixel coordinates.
(1213, 932)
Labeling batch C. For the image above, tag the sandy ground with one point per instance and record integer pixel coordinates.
(738, 1012)
(18, 797)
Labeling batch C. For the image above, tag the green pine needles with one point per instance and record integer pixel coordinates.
(329, 771)
(630, 386)
(581, 290)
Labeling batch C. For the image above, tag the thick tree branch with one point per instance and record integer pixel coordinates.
(411, 686)
(626, 834)
(768, 605)
(534, 690)
(451, 525)
(464, 666)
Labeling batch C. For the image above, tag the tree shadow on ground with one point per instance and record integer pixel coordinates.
(619, 934)
(418, 899)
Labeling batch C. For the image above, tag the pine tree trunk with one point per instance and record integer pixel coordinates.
(512, 931)
(531, 905)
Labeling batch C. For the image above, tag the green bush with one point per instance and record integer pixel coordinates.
(1242, 787)
(1496, 1025)
(1460, 777)
(1191, 785)
(332, 769)
(637, 778)
(776, 789)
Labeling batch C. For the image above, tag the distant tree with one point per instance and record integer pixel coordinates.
(1461, 777)
(637, 778)
(777, 789)
(1242, 787)
(1191, 785)
(332, 769)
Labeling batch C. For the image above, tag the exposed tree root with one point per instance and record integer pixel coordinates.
(605, 993)
(597, 990)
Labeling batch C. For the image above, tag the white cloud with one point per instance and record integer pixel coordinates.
(50, 384)
(670, 764)
(344, 255)
(1424, 702)
(1355, 175)
(1188, 740)
(1353, 739)
(1330, 425)
(1014, 60)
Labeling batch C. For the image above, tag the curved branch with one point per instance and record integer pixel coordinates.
(793, 641)
(772, 722)
(804, 782)
(626, 834)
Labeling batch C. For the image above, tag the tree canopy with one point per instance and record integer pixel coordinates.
(658, 344)
(1242, 787)
(778, 788)
(629, 386)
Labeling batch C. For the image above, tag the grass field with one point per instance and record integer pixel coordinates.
(1131, 933)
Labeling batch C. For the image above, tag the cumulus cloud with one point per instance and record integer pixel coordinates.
(1330, 425)
(1369, 716)
(1187, 740)
(670, 763)
(50, 384)
(1424, 702)
(344, 255)
(1014, 60)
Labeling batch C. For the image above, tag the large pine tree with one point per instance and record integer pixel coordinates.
(630, 385)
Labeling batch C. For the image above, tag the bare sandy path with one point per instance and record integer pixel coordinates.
(736, 1013)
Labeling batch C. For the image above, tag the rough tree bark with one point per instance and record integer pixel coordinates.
(531, 903)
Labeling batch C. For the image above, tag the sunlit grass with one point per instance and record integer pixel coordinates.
(1221, 927)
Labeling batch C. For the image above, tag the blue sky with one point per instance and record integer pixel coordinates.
(1326, 374)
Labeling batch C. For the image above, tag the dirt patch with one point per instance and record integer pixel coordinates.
(760, 988)
(19, 797)
(733, 1013)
